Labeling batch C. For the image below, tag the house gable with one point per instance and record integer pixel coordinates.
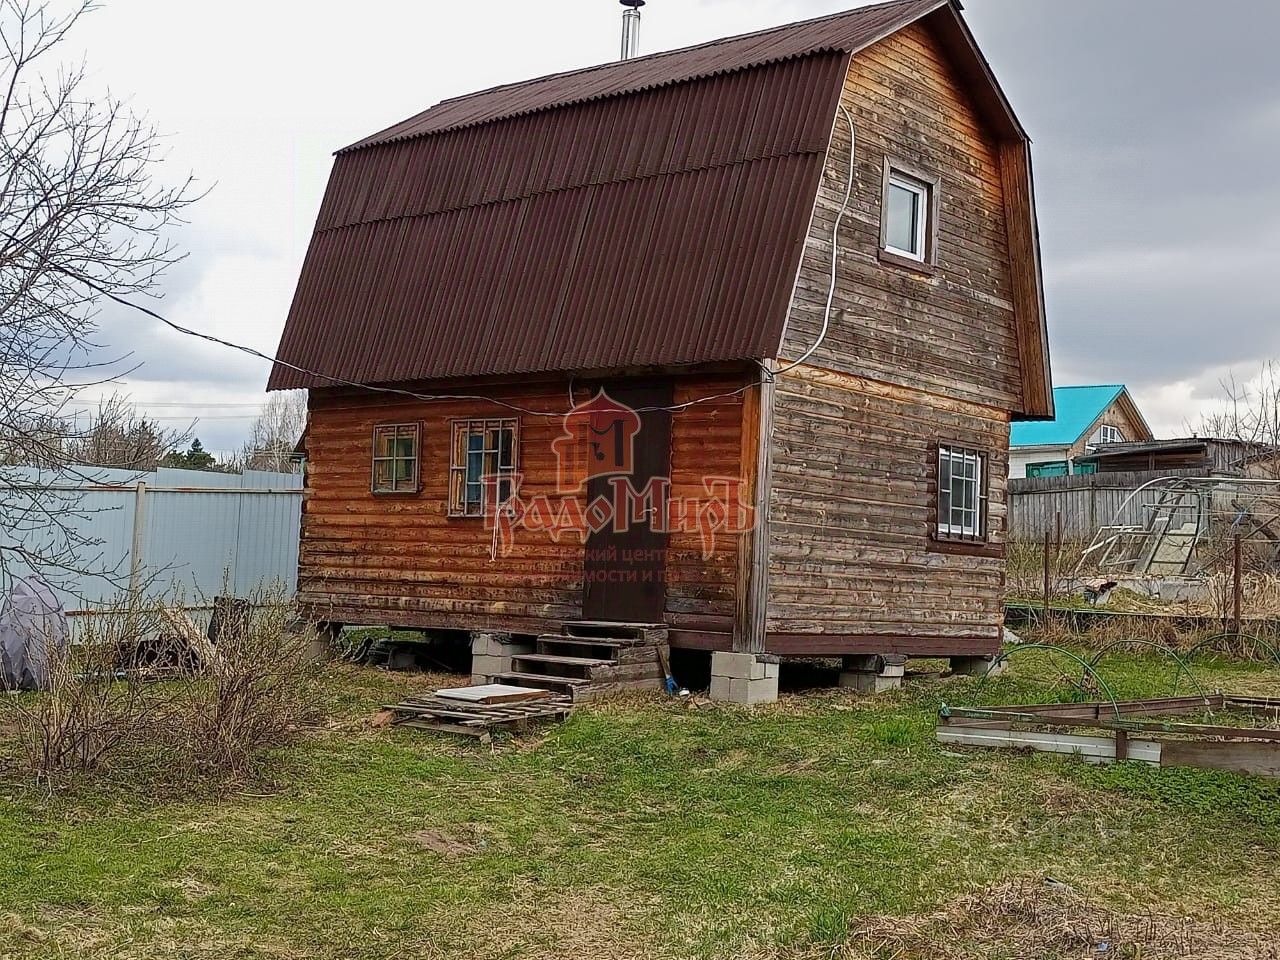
(949, 327)
(648, 214)
(1081, 410)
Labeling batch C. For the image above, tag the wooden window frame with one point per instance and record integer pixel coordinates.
(946, 541)
(459, 506)
(401, 488)
(929, 184)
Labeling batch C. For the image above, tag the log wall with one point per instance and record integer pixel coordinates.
(913, 357)
(949, 330)
(852, 564)
(402, 561)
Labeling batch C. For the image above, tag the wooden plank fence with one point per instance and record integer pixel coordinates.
(1086, 502)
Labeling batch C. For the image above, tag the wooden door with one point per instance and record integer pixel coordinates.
(625, 570)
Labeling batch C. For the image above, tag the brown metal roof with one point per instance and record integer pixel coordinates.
(646, 213)
(843, 32)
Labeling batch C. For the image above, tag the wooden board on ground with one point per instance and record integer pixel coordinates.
(1127, 732)
(493, 693)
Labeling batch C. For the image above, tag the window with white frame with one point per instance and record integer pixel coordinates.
(482, 463)
(395, 457)
(962, 499)
(907, 227)
(1108, 434)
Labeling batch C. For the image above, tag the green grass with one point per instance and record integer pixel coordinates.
(641, 828)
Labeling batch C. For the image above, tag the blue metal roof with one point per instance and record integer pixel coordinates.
(1077, 409)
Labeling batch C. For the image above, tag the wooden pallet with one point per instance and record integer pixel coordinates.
(478, 720)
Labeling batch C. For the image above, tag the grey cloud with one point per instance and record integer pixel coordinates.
(1157, 126)
(1157, 130)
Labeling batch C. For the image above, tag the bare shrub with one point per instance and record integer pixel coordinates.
(202, 709)
(1025, 567)
(256, 690)
(91, 710)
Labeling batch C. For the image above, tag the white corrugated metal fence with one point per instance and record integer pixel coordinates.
(168, 533)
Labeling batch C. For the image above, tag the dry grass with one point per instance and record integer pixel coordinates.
(88, 714)
(1046, 920)
(824, 826)
(104, 716)
(1260, 583)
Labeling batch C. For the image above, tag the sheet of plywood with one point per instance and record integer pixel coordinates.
(492, 693)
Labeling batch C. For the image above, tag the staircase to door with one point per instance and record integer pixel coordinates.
(590, 658)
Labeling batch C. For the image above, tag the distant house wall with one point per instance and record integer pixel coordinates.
(1020, 458)
(1118, 414)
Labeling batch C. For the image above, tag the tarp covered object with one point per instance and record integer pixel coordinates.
(33, 628)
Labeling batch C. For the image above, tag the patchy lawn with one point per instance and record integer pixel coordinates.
(825, 825)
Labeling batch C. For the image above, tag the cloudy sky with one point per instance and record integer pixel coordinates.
(1157, 129)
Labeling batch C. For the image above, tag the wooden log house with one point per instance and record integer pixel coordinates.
(513, 286)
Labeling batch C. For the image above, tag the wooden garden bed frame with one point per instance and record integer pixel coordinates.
(1126, 730)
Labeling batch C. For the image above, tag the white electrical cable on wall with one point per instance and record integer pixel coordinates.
(835, 247)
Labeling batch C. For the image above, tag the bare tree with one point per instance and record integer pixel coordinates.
(116, 436)
(274, 438)
(40, 443)
(1251, 415)
(82, 219)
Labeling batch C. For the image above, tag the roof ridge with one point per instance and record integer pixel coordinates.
(420, 123)
(675, 50)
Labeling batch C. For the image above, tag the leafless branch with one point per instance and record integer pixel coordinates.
(82, 216)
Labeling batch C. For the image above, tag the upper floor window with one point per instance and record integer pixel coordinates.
(1108, 434)
(395, 457)
(482, 461)
(908, 214)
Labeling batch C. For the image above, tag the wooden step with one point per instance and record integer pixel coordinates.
(551, 664)
(591, 649)
(563, 661)
(606, 630)
(611, 642)
(569, 685)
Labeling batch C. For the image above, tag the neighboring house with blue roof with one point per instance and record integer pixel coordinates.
(1087, 417)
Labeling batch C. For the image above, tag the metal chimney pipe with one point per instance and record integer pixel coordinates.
(631, 28)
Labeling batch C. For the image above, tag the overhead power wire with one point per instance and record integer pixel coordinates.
(394, 391)
(766, 375)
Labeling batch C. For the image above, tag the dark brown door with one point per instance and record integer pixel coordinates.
(626, 568)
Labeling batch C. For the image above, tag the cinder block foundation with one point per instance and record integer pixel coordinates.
(491, 655)
(977, 666)
(744, 678)
(873, 674)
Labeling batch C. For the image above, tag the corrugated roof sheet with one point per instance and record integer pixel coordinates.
(844, 32)
(645, 213)
(1076, 407)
